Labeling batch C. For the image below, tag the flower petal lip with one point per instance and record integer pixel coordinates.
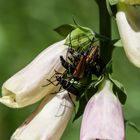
(49, 121)
(128, 21)
(103, 117)
(25, 87)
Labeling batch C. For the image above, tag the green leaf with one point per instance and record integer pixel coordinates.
(90, 91)
(84, 29)
(97, 82)
(94, 77)
(133, 125)
(112, 8)
(109, 67)
(109, 8)
(102, 37)
(113, 2)
(119, 90)
(81, 108)
(118, 44)
(121, 95)
(87, 94)
(65, 29)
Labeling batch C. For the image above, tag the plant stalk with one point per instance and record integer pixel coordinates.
(105, 30)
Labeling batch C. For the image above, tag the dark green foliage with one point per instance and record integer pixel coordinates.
(119, 90)
(83, 100)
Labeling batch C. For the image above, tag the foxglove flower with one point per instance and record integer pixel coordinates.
(128, 21)
(48, 122)
(103, 117)
(25, 87)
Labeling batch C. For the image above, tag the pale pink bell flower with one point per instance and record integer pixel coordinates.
(103, 116)
(49, 121)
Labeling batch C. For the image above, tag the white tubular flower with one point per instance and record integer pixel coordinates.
(131, 2)
(128, 20)
(25, 87)
(103, 117)
(49, 121)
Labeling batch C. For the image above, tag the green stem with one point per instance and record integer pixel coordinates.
(105, 29)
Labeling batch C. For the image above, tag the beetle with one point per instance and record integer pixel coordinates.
(67, 85)
(83, 63)
(69, 67)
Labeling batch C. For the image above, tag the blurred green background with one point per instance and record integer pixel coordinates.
(26, 28)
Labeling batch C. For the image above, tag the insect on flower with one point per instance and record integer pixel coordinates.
(67, 85)
(72, 60)
(79, 66)
(83, 63)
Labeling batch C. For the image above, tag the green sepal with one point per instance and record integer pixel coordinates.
(85, 29)
(64, 29)
(80, 109)
(113, 2)
(83, 100)
(98, 81)
(119, 90)
(109, 69)
(108, 6)
(102, 37)
(83, 37)
(80, 38)
(94, 77)
(111, 7)
(118, 44)
(115, 43)
(133, 125)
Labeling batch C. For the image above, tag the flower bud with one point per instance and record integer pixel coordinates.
(128, 21)
(26, 86)
(49, 121)
(103, 117)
